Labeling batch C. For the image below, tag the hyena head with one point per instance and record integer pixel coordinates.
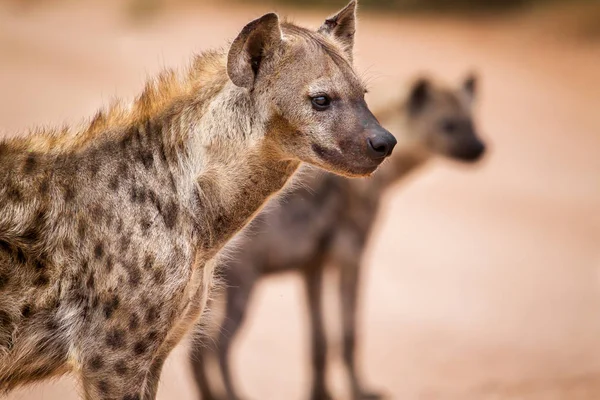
(304, 84)
(440, 120)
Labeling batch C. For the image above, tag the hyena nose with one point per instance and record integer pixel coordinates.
(381, 144)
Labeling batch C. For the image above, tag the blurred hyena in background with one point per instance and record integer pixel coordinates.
(327, 220)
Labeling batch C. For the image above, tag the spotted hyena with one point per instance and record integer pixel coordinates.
(107, 233)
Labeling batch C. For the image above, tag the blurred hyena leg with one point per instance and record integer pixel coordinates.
(349, 285)
(199, 357)
(238, 294)
(313, 281)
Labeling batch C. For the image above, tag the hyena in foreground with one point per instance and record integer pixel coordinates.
(327, 220)
(106, 234)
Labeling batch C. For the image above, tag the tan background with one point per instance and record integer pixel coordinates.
(480, 284)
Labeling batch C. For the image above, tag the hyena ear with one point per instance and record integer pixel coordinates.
(342, 27)
(247, 51)
(469, 86)
(419, 95)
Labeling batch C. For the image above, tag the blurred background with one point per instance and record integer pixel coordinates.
(479, 283)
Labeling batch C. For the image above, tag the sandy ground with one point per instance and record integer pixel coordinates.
(479, 284)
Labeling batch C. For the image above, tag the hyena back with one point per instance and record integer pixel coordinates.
(107, 234)
(327, 220)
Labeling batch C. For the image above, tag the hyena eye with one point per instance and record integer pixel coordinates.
(449, 126)
(321, 102)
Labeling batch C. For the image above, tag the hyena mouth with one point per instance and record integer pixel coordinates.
(347, 163)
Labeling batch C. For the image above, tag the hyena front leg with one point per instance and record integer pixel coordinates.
(111, 379)
(115, 366)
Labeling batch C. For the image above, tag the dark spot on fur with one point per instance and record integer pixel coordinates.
(94, 165)
(44, 186)
(162, 153)
(125, 242)
(14, 193)
(30, 163)
(26, 311)
(98, 212)
(137, 194)
(170, 214)
(39, 264)
(67, 245)
(126, 141)
(90, 283)
(69, 193)
(147, 159)
(96, 363)
(152, 314)
(41, 280)
(51, 325)
(152, 196)
(99, 251)
(4, 279)
(145, 224)
(139, 348)
(5, 319)
(134, 275)
(132, 397)
(110, 306)
(5, 247)
(134, 322)
(20, 255)
(81, 229)
(115, 338)
(113, 184)
(103, 387)
(152, 336)
(121, 367)
(33, 232)
(109, 263)
(148, 263)
(159, 276)
(320, 151)
(85, 265)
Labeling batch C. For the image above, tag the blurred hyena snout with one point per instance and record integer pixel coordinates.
(473, 151)
(380, 143)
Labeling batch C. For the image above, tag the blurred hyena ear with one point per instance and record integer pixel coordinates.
(342, 27)
(250, 47)
(469, 86)
(419, 95)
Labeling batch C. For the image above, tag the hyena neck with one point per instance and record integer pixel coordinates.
(229, 170)
(232, 190)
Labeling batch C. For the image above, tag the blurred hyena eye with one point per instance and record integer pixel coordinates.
(321, 102)
(449, 126)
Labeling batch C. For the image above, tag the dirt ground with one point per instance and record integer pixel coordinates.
(479, 284)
